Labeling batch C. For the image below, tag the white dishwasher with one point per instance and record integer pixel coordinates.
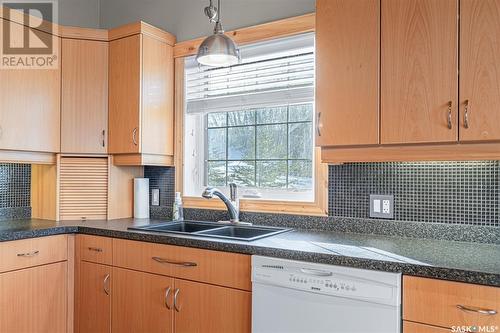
(292, 296)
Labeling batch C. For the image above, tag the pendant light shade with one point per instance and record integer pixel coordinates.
(218, 50)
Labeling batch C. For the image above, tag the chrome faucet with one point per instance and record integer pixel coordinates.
(232, 204)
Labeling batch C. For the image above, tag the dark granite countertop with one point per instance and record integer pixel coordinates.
(450, 260)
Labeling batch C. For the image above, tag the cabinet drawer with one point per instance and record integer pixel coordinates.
(437, 302)
(410, 327)
(96, 249)
(32, 252)
(220, 268)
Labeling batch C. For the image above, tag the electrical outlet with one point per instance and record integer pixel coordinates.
(382, 206)
(386, 207)
(155, 197)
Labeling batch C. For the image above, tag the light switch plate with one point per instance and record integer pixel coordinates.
(382, 206)
(155, 197)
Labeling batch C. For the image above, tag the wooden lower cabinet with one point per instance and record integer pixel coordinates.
(211, 309)
(448, 304)
(141, 302)
(145, 302)
(410, 327)
(34, 299)
(94, 308)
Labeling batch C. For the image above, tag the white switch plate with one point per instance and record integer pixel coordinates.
(382, 206)
(155, 197)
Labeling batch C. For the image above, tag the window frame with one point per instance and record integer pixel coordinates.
(280, 28)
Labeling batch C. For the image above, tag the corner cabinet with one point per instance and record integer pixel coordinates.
(84, 97)
(141, 101)
(34, 288)
(427, 110)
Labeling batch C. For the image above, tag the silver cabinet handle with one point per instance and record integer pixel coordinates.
(103, 138)
(106, 284)
(450, 125)
(315, 272)
(28, 254)
(466, 114)
(176, 295)
(95, 249)
(134, 136)
(318, 124)
(486, 312)
(177, 263)
(167, 294)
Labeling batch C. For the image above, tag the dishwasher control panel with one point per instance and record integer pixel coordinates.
(320, 284)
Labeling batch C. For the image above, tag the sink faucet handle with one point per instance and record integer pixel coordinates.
(233, 191)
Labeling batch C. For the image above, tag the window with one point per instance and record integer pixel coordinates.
(252, 123)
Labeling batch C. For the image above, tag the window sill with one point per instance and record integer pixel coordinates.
(260, 206)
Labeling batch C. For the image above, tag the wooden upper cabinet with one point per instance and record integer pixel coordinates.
(479, 70)
(158, 97)
(84, 100)
(125, 59)
(141, 105)
(347, 72)
(30, 104)
(419, 71)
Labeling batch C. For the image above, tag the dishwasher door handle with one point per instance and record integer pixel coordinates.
(315, 272)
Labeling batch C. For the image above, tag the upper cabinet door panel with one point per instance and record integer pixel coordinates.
(157, 97)
(479, 70)
(419, 71)
(347, 72)
(84, 111)
(125, 77)
(30, 104)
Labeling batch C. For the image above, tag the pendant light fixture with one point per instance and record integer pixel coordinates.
(217, 50)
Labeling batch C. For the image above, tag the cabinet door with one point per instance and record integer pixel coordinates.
(34, 299)
(207, 308)
(141, 302)
(125, 62)
(94, 308)
(157, 97)
(479, 70)
(30, 106)
(419, 71)
(347, 72)
(84, 111)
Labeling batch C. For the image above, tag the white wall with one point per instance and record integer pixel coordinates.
(79, 13)
(185, 18)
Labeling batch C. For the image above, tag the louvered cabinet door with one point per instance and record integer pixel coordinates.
(83, 188)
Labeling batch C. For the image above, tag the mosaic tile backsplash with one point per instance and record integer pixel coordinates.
(162, 178)
(466, 193)
(15, 185)
(443, 192)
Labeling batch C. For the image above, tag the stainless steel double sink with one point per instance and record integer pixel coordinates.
(213, 229)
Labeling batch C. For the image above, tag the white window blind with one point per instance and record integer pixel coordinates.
(277, 72)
